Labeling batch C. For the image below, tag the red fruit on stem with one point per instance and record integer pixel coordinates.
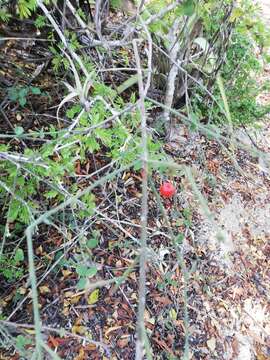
(167, 190)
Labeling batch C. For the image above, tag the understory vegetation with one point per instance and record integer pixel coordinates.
(99, 102)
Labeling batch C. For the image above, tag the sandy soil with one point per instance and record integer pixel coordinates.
(235, 215)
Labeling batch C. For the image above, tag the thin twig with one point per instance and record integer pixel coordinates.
(62, 37)
(141, 336)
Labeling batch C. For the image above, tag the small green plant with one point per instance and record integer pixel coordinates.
(26, 8)
(22, 342)
(239, 71)
(11, 267)
(84, 272)
(40, 21)
(4, 13)
(20, 93)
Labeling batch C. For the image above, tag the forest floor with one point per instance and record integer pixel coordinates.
(227, 292)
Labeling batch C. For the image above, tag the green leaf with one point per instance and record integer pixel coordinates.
(93, 297)
(51, 194)
(173, 314)
(188, 7)
(132, 80)
(92, 243)
(22, 101)
(81, 284)
(4, 15)
(35, 90)
(75, 109)
(22, 341)
(91, 144)
(179, 238)
(85, 271)
(23, 92)
(13, 94)
(40, 21)
(19, 255)
(194, 121)
(116, 4)
(19, 130)
(14, 210)
(236, 14)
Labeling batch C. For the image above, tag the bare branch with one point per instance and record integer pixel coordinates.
(140, 344)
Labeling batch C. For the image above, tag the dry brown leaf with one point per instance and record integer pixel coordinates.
(261, 356)
(65, 311)
(164, 300)
(53, 341)
(22, 290)
(90, 347)
(113, 328)
(81, 355)
(75, 299)
(163, 345)
(44, 289)
(237, 292)
(78, 329)
(66, 273)
(39, 250)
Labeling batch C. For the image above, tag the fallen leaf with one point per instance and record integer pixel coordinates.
(53, 341)
(66, 273)
(22, 290)
(78, 329)
(261, 356)
(75, 300)
(163, 345)
(163, 300)
(81, 355)
(113, 328)
(173, 314)
(90, 347)
(44, 290)
(93, 297)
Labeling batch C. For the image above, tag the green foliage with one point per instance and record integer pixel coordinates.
(22, 342)
(92, 243)
(85, 271)
(26, 8)
(241, 68)
(20, 93)
(35, 180)
(40, 21)
(36, 183)
(4, 14)
(116, 4)
(11, 266)
(188, 7)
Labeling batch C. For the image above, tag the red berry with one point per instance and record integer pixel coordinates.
(167, 190)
